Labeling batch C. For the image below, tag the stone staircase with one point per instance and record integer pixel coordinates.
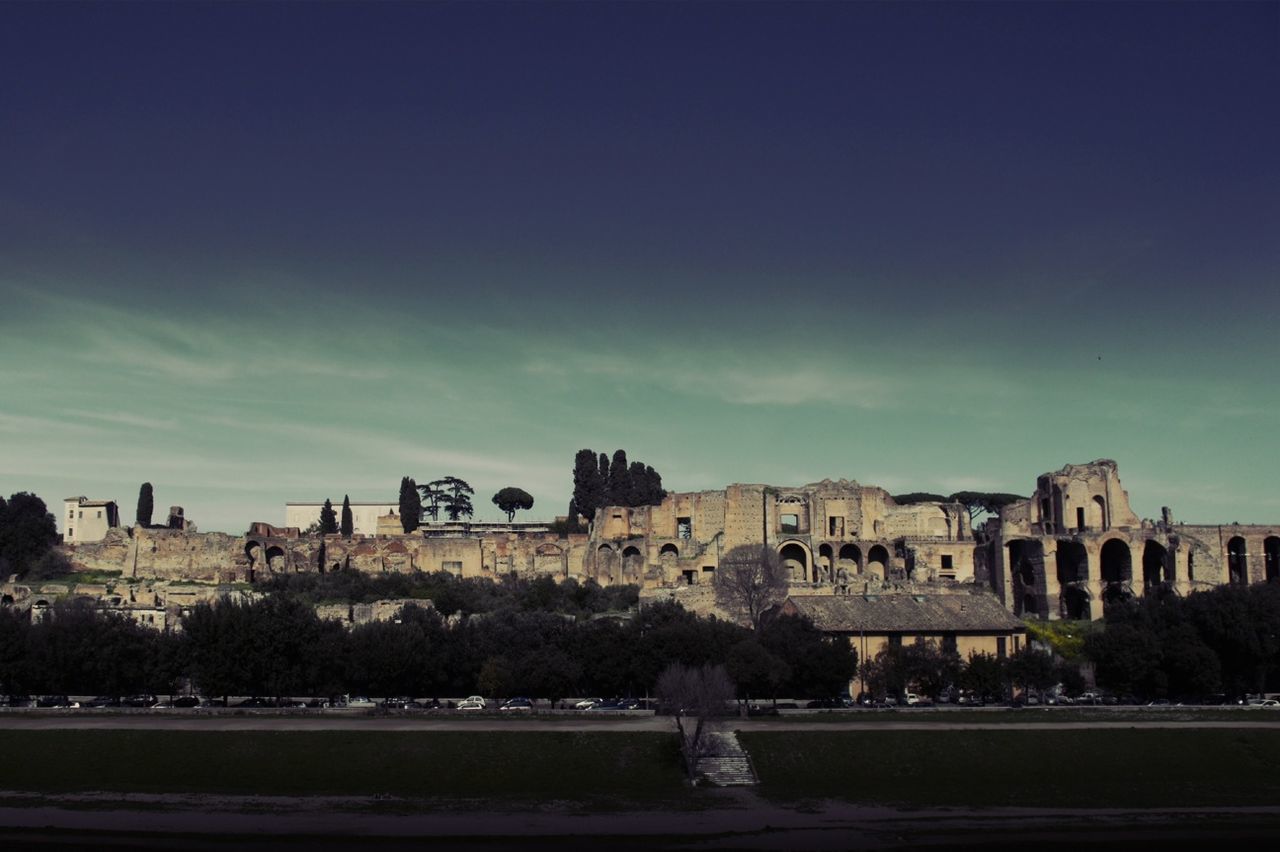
(724, 762)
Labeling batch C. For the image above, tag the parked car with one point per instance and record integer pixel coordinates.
(56, 701)
(182, 702)
(213, 702)
(141, 701)
(17, 701)
(256, 703)
(517, 705)
(588, 703)
(360, 702)
(472, 703)
(103, 701)
(402, 702)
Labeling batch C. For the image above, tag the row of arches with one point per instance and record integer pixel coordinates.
(831, 563)
(1115, 570)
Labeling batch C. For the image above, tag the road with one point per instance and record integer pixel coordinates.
(337, 722)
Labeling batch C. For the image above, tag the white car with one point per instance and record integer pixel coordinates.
(472, 702)
(588, 704)
(360, 702)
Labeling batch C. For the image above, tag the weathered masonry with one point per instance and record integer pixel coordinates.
(1066, 552)
(1075, 546)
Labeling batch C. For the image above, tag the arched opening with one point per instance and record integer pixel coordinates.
(669, 550)
(1117, 572)
(632, 564)
(1073, 579)
(253, 552)
(1237, 561)
(878, 560)
(1096, 514)
(604, 564)
(1155, 566)
(1026, 572)
(850, 561)
(1271, 558)
(826, 559)
(548, 559)
(795, 561)
(275, 559)
(6, 600)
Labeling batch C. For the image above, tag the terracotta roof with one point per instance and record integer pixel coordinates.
(906, 613)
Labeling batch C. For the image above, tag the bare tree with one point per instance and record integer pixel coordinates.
(692, 695)
(749, 579)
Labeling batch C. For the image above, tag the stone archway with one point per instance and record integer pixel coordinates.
(1271, 558)
(850, 559)
(1156, 566)
(878, 560)
(632, 564)
(1115, 562)
(1237, 561)
(795, 561)
(1073, 579)
(824, 566)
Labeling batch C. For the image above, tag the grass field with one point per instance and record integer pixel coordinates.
(627, 769)
(1069, 768)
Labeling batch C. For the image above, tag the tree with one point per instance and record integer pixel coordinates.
(1033, 670)
(431, 499)
(749, 579)
(410, 505)
(918, 497)
(328, 518)
(756, 671)
(619, 480)
(348, 524)
(146, 505)
(692, 695)
(456, 497)
(654, 493)
(983, 676)
(978, 502)
(27, 532)
(588, 487)
(512, 499)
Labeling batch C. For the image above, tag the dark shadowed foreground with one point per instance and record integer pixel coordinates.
(820, 789)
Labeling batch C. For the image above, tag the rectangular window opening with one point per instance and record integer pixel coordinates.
(947, 564)
(1080, 517)
(684, 528)
(1001, 650)
(690, 576)
(790, 523)
(835, 526)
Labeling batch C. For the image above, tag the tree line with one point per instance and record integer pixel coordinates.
(599, 481)
(1222, 641)
(278, 646)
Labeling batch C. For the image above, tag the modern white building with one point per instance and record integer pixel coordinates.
(364, 516)
(87, 520)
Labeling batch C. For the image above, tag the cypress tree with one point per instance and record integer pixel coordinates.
(410, 505)
(348, 525)
(654, 492)
(328, 520)
(146, 505)
(588, 488)
(619, 480)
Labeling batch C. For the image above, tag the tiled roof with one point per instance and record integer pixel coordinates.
(906, 613)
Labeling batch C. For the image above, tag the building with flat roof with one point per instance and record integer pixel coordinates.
(87, 520)
(364, 516)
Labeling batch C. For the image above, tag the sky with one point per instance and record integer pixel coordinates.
(258, 253)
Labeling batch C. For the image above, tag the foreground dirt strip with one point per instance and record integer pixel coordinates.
(746, 822)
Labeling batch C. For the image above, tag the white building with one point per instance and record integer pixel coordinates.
(87, 520)
(364, 516)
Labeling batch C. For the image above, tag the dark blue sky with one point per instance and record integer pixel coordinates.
(926, 196)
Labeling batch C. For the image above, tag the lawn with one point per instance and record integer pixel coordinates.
(1065, 768)
(515, 766)
(1050, 715)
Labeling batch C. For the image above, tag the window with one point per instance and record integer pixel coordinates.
(71, 533)
(790, 523)
(1001, 650)
(99, 513)
(690, 576)
(949, 643)
(947, 564)
(835, 526)
(451, 567)
(684, 528)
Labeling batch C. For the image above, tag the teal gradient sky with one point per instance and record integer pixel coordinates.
(258, 253)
